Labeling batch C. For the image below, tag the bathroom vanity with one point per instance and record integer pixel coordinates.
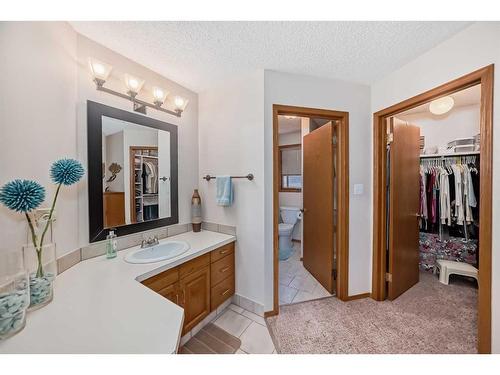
(111, 306)
(199, 286)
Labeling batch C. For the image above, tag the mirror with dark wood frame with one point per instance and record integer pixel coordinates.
(132, 169)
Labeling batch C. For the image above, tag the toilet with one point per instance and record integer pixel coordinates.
(289, 218)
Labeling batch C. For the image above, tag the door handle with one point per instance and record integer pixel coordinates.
(164, 178)
(303, 210)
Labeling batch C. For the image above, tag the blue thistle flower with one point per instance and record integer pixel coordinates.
(66, 171)
(22, 195)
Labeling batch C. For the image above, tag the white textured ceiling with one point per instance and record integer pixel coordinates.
(199, 55)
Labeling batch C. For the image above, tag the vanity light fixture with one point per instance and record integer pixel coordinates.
(100, 73)
(159, 96)
(180, 104)
(442, 105)
(134, 85)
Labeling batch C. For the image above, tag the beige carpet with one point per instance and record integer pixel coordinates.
(428, 318)
(211, 340)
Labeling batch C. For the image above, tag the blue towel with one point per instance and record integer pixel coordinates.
(224, 191)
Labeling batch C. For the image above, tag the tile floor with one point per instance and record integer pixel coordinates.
(250, 328)
(296, 284)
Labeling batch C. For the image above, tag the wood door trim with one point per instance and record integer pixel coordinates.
(358, 296)
(343, 196)
(484, 77)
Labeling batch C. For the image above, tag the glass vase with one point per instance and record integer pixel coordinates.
(14, 292)
(42, 270)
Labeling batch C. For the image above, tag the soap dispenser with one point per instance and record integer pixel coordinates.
(111, 244)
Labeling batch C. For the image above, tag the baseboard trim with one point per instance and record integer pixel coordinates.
(268, 314)
(358, 296)
(248, 304)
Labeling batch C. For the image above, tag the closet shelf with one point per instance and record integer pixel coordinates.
(450, 155)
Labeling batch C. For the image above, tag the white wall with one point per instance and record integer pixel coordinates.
(231, 132)
(305, 91)
(475, 47)
(187, 125)
(37, 119)
(44, 88)
(114, 154)
(460, 122)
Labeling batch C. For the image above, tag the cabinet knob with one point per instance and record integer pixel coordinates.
(224, 269)
(225, 292)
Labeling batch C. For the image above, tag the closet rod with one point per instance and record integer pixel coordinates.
(248, 177)
(442, 156)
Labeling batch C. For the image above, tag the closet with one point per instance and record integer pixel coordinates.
(144, 184)
(449, 209)
(432, 204)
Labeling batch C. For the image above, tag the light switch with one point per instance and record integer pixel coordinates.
(358, 189)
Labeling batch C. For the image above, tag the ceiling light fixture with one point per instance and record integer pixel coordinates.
(100, 73)
(442, 105)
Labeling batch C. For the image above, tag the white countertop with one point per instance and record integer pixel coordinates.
(100, 306)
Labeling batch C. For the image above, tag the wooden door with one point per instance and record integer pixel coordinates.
(318, 202)
(404, 201)
(114, 208)
(195, 297)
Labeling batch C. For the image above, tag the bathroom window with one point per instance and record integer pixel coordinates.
(290, 166)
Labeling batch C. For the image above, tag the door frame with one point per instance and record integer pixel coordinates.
(484, 77)
(343, 196)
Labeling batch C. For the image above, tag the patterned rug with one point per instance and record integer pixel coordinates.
(211, 340)
(429, 318)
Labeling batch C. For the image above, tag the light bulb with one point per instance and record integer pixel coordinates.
(159, 95)
(133, 84)
(442, 105)
(100, 71)
(180, 104)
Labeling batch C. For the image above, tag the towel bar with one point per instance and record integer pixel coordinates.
(248, 176)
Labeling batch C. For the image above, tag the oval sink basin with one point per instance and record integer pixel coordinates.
(157, 253)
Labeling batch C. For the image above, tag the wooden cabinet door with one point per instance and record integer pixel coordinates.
(171, 293)
(195, 297)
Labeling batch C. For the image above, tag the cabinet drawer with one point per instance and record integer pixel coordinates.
(221, 252)
(162, 280)
(222, 292)
(193, 265)
(221, 269)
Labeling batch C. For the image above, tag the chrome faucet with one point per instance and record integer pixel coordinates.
(150, 242)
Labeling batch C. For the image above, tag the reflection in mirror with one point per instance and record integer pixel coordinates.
(136, 173)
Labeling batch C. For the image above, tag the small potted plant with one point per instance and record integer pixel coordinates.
(25, 196)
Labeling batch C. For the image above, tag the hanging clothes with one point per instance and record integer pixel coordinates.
(150, 178)
(459, 212)
(423, 198)
(444, 197)
(448, 195)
